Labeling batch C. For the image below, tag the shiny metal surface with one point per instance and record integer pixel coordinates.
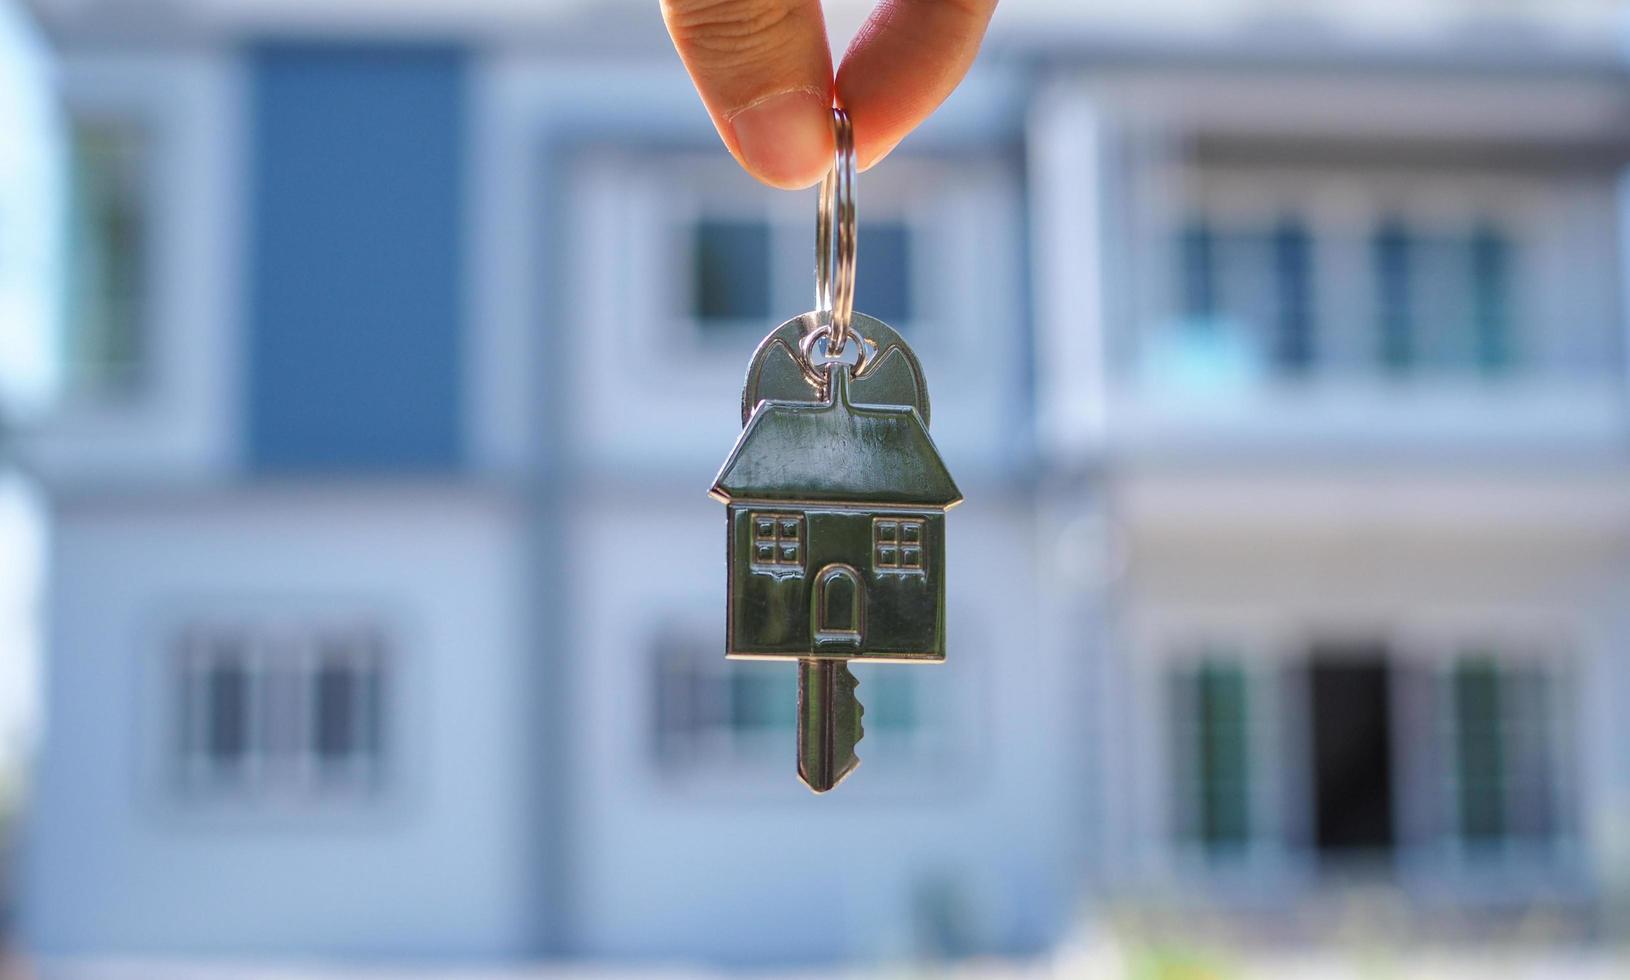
(829, 723)
(835, 452)
(835, 243)
(835, 497)
(888, 372)
(836, 527)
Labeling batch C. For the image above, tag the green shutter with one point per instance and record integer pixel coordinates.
(1222, 756)
(1479, 755)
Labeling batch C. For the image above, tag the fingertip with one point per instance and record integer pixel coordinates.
(785, 140)
(906, 60)
(870, 153)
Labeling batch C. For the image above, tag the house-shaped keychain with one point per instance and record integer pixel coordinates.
(836, 532)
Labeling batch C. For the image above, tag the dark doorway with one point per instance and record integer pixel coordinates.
(1352, 751)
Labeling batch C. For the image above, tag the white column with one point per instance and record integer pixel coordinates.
(1621, 268)
(1069, 182)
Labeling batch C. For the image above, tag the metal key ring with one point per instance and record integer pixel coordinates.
(835, 246)
(818, 358)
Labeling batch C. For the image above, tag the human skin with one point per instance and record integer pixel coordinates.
(764, 71)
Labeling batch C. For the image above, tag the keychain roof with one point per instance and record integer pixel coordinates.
(835, 451)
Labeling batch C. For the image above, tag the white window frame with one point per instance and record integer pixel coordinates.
(1187, 787)
(1341, 210)
(724, 757)
(721, 746)
(1182, 651)
(181, 422)
(1281, 802)
(1109, 151)
(282, 656)
(127, 380)
(630, 227)
(709, 188)
(1560, 675)
(899, 545)
(778, 539)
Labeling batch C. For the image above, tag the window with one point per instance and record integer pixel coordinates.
(107, 255)
(883, 282)
(714, 712)
(1293, 283)
(740, 272)
(1491, 298)
(280, 712)
(1394, 313)
(1248, 294)
(1503, 743)
(899, 545)
(224, 708)
(1256, 283)
(778, 541)
(1442, 301)
(709, 710)
(1209, 741)
(344, 687)
(732, 272)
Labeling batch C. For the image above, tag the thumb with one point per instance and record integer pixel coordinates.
(764, 71)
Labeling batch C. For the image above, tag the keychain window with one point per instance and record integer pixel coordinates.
(778, 540)
(898, 544)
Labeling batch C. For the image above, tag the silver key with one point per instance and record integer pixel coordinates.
(836, 503)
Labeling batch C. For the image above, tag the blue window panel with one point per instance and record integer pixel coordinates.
(110, 224)
(1224, 756)
(1491, 299)
(732, 272)
(1198, 272)
(1292, 252)
(336, 696)
(883, 277)
(1479, 750)
(228, 713)
(355, 274)
(1392, 247)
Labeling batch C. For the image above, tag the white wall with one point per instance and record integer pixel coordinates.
(179, 425)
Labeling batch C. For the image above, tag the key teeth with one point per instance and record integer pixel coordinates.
(847, 678)
(845, 683)
(860, 709)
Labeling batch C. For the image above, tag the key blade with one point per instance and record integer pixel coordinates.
(828, 723)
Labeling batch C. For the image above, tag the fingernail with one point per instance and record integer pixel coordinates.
(786, 139)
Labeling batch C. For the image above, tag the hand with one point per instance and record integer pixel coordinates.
(764, 70)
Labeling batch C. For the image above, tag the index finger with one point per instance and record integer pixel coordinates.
(904, 62)
(764, 71)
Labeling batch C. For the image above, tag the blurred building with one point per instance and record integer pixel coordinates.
(1281, 360)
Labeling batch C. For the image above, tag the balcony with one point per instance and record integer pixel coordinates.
(1380, 311)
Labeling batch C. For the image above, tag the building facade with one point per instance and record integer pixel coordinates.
(1283, 375)
(1356, 393)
